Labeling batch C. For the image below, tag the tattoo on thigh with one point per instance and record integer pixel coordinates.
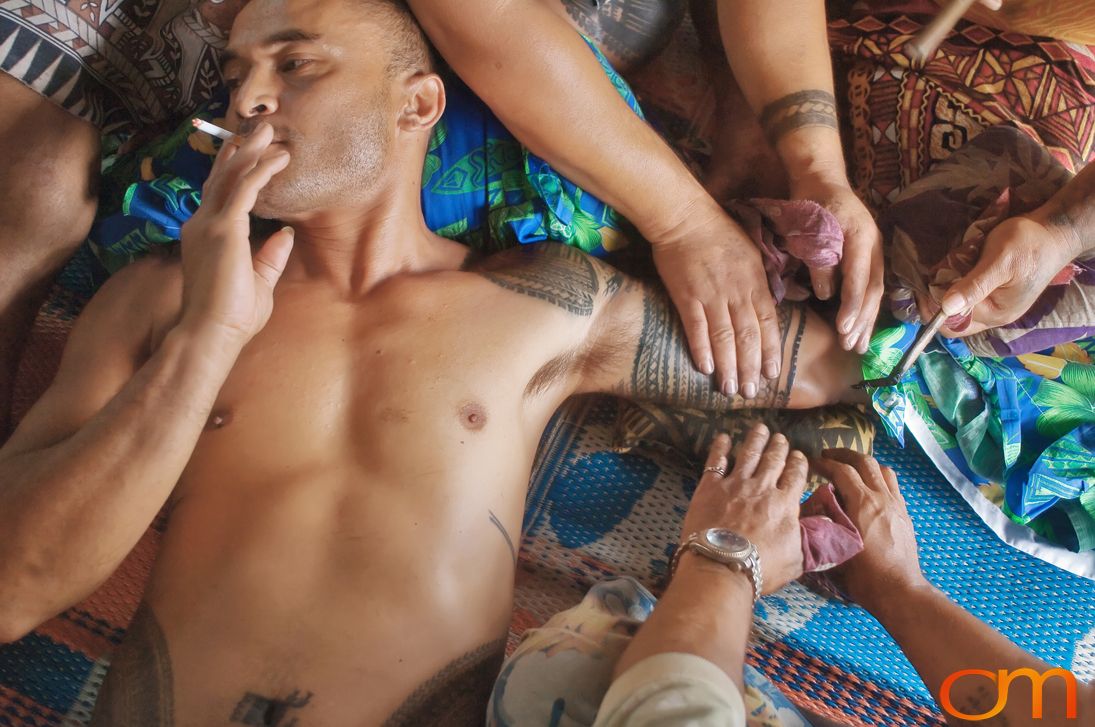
(555, 273)
(812, 107)
(663, 370)
(457, 695)
(502, 529)
(259, 711)
(632, 30)
(138, 687)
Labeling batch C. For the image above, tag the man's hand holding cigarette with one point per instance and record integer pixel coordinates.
(225, 286)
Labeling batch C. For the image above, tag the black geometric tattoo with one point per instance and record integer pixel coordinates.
(259, 711)
(558, 274)
(457, 695)
(663, 370)
(794, 111)
(502, 529)
(633, 31)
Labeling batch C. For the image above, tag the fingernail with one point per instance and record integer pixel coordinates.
(708, 367)
(729, 387)
(953, 304)
(289, 231)
(847, 342)
(749, 390)
(771, 369)
(823, 292)
(845, 325)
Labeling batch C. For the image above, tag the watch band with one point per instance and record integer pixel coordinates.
(750, 565)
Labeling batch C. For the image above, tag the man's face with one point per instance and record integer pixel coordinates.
(315, 70)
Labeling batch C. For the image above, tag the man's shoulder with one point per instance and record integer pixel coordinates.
(139, 296)
(552, 272)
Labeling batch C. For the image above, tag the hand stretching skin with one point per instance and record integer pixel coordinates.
(759, 499)
(861, 267)
(939, 637)
(1022, 255)
(779, 53)
(712, 270)
(716, 280)
(707, 609)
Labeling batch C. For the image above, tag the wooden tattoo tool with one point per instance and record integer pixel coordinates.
(927, 333)
(214, 130)
(927, 41)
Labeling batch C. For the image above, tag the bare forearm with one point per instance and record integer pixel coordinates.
(707, 611)
(780, 56)
(940, 638)
(72, 511)
(529, 66)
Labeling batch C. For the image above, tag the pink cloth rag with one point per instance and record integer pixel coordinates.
(828, 536)
(791, 235)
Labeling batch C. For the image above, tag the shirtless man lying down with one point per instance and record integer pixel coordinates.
(345, 459)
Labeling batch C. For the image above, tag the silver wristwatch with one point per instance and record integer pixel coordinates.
(727, 547)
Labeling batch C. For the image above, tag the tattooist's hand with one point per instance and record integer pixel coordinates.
(1020, 258)
(716, 279)
(861, 267)
(225, 286)
(889, 563)
(758, 499)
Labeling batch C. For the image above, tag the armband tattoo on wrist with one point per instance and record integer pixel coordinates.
(797, 110)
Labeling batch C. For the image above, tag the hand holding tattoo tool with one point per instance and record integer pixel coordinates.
(927, 333)
(214, 130)
(927, 41)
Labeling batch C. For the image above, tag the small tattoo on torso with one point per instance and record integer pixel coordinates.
(259, 711)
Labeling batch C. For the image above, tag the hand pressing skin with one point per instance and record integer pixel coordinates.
(716, 280)
(861, 268)
(872, 499)
(758, 499)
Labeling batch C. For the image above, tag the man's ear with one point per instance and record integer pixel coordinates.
(425, 102)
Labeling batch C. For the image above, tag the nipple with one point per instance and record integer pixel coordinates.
(473, 416)
(218, 420)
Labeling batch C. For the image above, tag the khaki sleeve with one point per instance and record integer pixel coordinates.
(668, 690)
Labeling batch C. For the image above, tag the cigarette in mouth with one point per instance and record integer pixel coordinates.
(213, 130)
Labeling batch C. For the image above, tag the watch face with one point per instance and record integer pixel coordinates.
(727, 540)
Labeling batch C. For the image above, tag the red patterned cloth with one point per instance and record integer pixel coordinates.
(904, 119)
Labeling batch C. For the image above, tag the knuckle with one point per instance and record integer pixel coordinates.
(723, 335)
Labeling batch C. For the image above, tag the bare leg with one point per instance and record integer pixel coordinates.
(742, 163)
(47, 204)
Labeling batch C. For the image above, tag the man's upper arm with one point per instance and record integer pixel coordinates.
(108, 343)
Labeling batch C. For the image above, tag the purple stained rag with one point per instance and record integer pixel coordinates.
(828, 536)
(791, 235)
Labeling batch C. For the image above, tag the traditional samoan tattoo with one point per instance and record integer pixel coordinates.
(138, 688)
(502, 529)
(663, 370)
(258, 711)
(457, 695)
(812, 107)
(555, 273)
(633, 31)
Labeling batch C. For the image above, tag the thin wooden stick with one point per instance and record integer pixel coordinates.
(927, 41)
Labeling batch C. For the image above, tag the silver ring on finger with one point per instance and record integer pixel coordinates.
(721, 472)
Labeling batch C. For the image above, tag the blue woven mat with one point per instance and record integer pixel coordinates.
(593, 511)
